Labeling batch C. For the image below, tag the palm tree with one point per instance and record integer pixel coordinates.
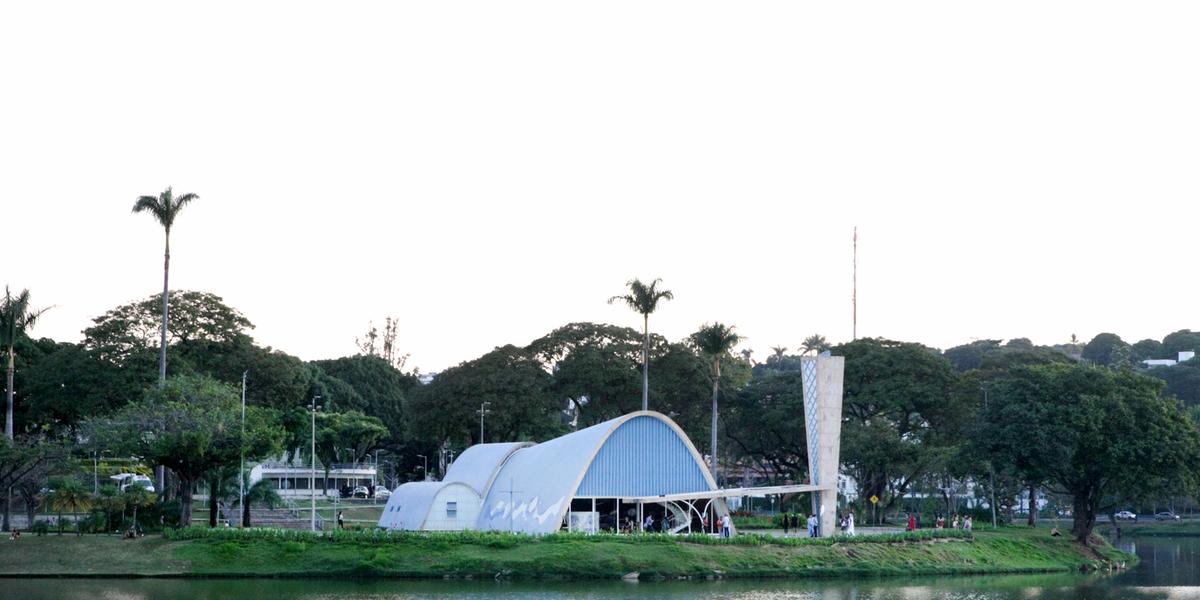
(15, 318)
(136, 496)
(715, 341)
(111, 500)
(262, 492)
(165, 207)
(815, 343)
(778, 351)
(643, 299)
(70, 497)
(746, 354)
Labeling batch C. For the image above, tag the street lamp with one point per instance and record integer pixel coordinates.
(424, 466)
(312, 474)
(991, 469)
(242, 466)
(483, 410)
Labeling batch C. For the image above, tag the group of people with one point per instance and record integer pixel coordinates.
(792, 522)
(965, 523)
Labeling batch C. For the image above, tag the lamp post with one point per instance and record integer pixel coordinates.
(424, 467)
(242, 465)
(312, 474)
(991, 470)
(483, 410)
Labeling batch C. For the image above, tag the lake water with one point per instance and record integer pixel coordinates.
(1169, 568)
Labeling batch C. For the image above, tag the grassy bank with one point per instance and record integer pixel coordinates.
(477, 555)
(1153, 529)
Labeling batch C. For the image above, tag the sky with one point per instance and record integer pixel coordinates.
(488, 171)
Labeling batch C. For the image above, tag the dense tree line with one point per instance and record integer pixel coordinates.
(1009, 417)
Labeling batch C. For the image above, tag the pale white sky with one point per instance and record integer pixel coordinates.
(487, 171)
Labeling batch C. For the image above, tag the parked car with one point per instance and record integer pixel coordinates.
(1126, 516)
(383, 493)
(1166, 515)
(360, 492)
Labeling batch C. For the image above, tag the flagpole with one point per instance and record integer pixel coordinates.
(854, 294)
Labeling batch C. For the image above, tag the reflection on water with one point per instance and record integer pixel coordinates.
(1167, 570)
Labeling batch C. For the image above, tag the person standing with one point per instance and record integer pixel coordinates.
(812, 525)
(850, 524)
(726, 526)
(912, 522)
(341, 522)
(787, 521)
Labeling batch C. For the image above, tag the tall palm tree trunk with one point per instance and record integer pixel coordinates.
(8, 419)
(162, 350)
(716, 381)
(645, 365)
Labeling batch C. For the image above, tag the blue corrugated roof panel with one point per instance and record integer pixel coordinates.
(643, 457)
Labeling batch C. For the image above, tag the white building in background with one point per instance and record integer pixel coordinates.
(290, 476)
(1166, 362)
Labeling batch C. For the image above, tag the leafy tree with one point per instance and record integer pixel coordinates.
(1183, 340)
(595, 366)
(191, 425)
(715, 341)
(1182, 381)
(1145, 350)
(1094, 432)
(1019, 344)
(970, 356)
(901, 415)
(196, 316)
(815, 344)
(25, 459)
(16, 316)
(70, 384)
(379, 389)
(1106, 349)
(644, 299)
(512, 380)
(345, 436)
(765, 422)
(165, 207)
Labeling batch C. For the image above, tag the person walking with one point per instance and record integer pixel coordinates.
(912, 522)
(850, 524)
(787, 521)
(341, 522)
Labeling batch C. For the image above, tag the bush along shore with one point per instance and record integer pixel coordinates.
(201, 552)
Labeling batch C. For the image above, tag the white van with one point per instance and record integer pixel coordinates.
(124, 480)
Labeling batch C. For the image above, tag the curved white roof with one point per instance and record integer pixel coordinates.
(409, 505)
(639, 454)
(478, 465)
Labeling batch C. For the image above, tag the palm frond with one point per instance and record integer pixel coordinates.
(716, 339)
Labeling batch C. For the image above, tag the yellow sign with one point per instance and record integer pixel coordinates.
(874, 499)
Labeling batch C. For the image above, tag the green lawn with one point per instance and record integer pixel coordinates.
(487, 555)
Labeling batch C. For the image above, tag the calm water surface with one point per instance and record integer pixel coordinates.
(1169, 569)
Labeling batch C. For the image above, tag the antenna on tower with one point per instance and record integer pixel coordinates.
(854, 293)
